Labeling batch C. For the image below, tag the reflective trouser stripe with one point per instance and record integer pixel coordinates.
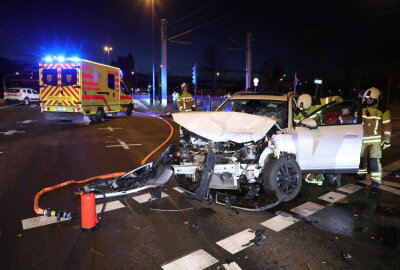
(376, 170)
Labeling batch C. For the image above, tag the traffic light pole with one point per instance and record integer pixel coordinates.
(164, 88)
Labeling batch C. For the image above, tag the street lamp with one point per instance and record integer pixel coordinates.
(108, 50)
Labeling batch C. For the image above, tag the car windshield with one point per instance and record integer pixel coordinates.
(270, 108)
(13, 90)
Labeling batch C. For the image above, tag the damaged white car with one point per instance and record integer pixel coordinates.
(250, 154)
(250, 148)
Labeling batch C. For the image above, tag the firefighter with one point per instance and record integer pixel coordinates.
(185, 100)
(377, 132)
(305, 107)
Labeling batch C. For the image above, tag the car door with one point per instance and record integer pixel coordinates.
(335, 144)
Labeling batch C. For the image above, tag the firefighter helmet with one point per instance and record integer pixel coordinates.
(183, 85)
(304, 102)
(372, 93)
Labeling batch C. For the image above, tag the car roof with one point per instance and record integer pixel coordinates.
(259, 95)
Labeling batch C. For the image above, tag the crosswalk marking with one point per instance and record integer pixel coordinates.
(390, 189)
(392, 184)
(279, 223)
(146, 197)
(307, 209)
(350, 188)
(332, 197)
(197, 260)
(237, 242)
(39, 221)
(231, 266)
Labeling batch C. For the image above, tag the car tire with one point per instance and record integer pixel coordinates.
(279, 174)
(129, 109)
(98, 116)
(27, 101)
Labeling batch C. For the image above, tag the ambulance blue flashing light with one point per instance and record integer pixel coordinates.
(48, 59)
(61, 58)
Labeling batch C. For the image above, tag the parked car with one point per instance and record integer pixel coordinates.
(26, 95)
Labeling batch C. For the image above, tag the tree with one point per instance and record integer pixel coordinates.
(211, 63)
(127, 65)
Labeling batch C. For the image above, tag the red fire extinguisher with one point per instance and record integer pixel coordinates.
(89, 218)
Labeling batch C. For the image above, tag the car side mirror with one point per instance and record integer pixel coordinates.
(309, 123)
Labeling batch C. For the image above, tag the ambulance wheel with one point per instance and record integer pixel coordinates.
(27, 101)
(283, 176)
(98, 117)
(129, 109)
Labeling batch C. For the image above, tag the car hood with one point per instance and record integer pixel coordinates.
(225, 126)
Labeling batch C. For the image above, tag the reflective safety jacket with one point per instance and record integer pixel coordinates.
(303, 114)
(185, 102)
(376, 123)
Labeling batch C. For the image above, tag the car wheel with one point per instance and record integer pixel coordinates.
(283, 176)
(333, 180)
(129, 109)
(27, 101)
(98, 116)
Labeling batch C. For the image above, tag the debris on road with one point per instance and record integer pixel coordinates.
(194, 227)
(98, 253)
(346, 255)
(258, 239)
(283, 214)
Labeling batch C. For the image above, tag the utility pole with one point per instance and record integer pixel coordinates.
(152, 30)
(164, 88)
(249, 48)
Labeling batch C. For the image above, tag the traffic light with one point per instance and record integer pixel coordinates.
(194, 75)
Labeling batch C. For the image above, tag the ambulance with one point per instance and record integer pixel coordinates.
(71, 88)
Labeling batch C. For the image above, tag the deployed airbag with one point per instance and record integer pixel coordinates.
(225, 126)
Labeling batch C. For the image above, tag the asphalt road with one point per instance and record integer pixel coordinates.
(35, 154)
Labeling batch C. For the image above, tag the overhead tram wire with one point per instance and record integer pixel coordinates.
(191, 14)
(204, 24)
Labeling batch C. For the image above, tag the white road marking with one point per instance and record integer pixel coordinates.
(34, 222)
(123, 144)
(390, 189)
(10, 106)
(231, 266)
(146, 197)
(279, 223)
(350, 188)
(307, 209)
(109, 128)
(26, 121)
(197, 260)
(179, 190)
(12, 131)
(114, 205)
(237, 242)
(390, 167)
(332, 197)
(392, 184)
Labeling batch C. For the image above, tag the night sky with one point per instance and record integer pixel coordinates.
(31, 30)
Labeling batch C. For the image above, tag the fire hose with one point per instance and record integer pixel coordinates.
(85, 192)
